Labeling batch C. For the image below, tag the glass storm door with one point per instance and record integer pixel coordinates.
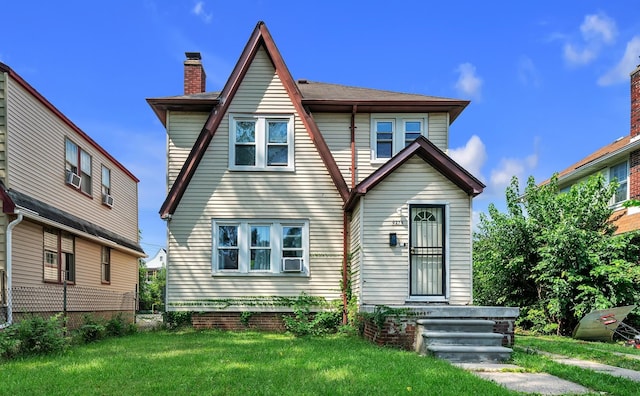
(426, 250)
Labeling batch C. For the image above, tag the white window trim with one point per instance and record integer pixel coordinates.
(261, 142)
(447, 253)
(607, 176)
(244, 247)
(398, 142)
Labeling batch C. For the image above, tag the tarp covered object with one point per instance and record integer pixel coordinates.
(600, 325)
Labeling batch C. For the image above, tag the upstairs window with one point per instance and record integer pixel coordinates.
(77, 167)
(619, 173)
(391, 133)
(261, 142)
(107, 199)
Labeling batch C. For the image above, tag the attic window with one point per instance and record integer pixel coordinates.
(261, 142)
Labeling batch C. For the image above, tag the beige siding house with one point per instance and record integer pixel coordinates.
(69, 213)
(279, 187)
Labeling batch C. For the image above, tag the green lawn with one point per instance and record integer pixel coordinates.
(237, 363)
(527, 355)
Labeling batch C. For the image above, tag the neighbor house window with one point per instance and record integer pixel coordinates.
(390, 133)
(620, 173)
(77, 167)
(107, 199)
(260, 142)
(106, 265)
(59, 256)
(260, 246)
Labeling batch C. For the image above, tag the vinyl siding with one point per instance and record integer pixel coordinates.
(335, 130)
(355, 251)
(36, 161)
(217, 193)
(28, 258)
(384, 269)
(3, 126)
(183, 129)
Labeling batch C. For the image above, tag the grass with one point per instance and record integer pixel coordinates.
(525, 355)
(237, 363)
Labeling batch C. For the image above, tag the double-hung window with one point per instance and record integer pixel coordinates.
(619, 172)
(260, 246)
(77, 167)
(106, 265)
(261, 142)
(391, 133)
(59, 256)
(107, 199)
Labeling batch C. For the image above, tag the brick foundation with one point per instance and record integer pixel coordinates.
(267, 321)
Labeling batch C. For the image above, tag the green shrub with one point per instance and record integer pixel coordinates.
(245, 316)
(91, 330)
(118, 327)
(304, 323)
(33, 336)
(174, 319)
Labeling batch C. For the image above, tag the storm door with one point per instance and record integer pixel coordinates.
(427, 250)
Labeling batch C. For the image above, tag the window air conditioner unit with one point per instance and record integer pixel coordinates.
(292, 264)
(107, 200)
(73, 179)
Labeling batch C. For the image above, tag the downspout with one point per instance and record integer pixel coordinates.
(9, 248)
(345, 223)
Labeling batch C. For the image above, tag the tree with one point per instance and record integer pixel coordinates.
(554, 254)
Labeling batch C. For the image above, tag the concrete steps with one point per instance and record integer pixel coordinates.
(461, 340)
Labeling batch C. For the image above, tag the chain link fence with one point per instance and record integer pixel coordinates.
(73, 302)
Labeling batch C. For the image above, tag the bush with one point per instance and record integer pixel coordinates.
(91, 330)
(304, 323)
(118, 327)
(33, 336)
(174, 320)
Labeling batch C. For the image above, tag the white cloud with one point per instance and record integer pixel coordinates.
(620, 72)
(199, 10)
(597, 30)
(509, 167)
(468, 84)
(527, 72)
(472, 156)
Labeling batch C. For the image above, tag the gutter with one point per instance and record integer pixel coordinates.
(9, 249)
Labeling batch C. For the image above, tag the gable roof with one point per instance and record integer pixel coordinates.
(431, 154)
(27, 87)
(600, 158)
(259, 38)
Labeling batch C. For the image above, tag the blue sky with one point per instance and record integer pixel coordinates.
(548, 80)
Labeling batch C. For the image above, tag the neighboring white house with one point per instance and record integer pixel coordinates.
(155, 264)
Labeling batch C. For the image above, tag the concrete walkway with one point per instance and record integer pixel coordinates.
(516, 378)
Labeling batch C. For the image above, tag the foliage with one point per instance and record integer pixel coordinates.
(33, 336)
(304, 323)
(90, 330)
(555, 255)
(151, 293)
(118, 327)
(176, 319)
(245, 316)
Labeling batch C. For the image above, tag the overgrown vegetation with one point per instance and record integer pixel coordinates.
(33, 336)
(554, 255)
(39, 336)
(151, 293)
(304, 323)
(176, 319)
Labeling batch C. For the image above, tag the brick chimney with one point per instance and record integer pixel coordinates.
(195, 79)
(634, 157)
